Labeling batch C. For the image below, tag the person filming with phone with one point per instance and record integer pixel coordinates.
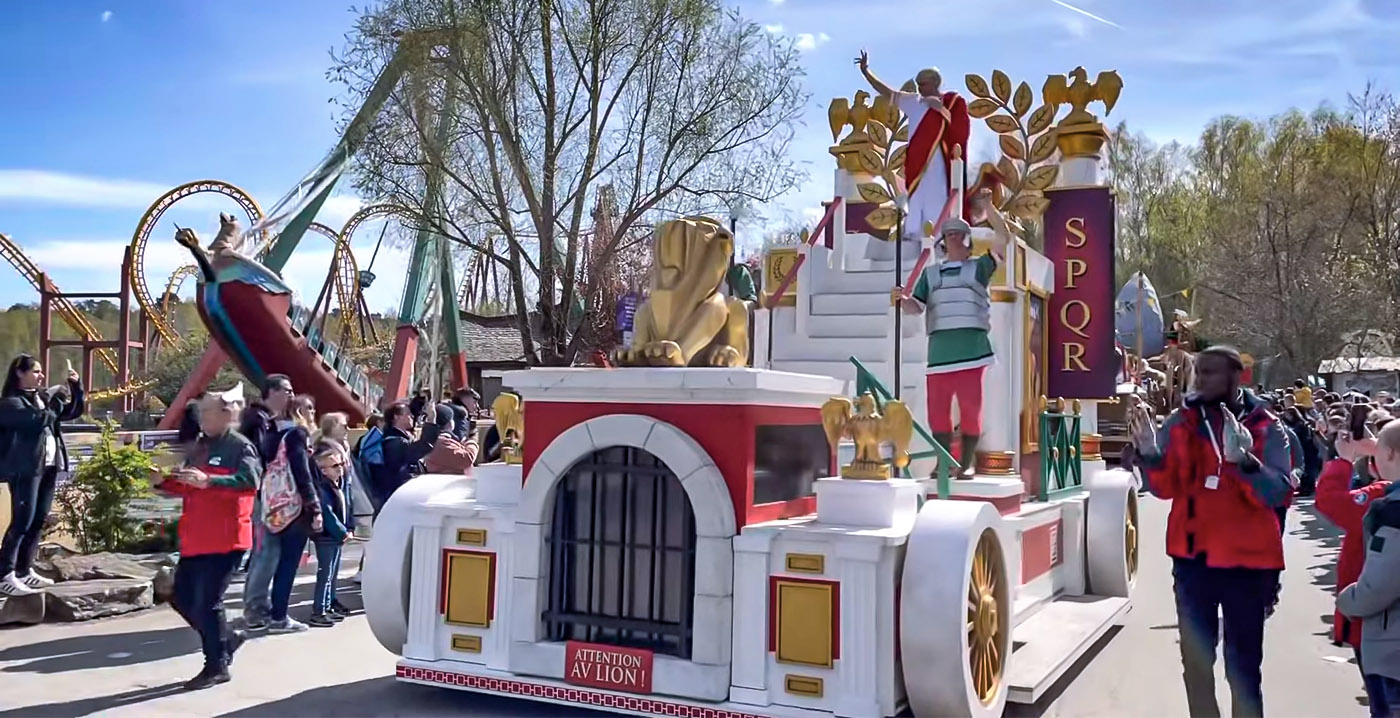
(1376, 591)
(1223, 461)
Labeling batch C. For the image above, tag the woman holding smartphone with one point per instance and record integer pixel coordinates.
(31, 455)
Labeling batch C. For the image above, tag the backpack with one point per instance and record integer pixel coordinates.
(370, 450)
(280, 500)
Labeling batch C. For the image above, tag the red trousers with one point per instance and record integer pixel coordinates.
(966, 386)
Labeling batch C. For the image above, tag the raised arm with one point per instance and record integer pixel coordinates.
(1000, 225)
(863, 62)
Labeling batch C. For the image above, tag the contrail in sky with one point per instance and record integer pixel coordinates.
(1086, 13)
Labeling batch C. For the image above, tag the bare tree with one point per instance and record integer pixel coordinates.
(527, 107)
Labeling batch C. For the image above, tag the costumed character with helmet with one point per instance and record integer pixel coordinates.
(953, 296)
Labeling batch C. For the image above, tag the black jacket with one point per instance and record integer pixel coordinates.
(401, 453)
(299, 461)
(258, 427)
(22, 421)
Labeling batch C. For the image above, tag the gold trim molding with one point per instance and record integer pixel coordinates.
(1001, 294)
(996, 463)
(1091, 447)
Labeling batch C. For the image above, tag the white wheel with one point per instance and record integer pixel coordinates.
(955, 611)
(386, 582)
(1112, 534)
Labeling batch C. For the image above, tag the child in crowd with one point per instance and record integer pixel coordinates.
(335, 512)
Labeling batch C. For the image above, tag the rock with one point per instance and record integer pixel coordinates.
(97, 566)
(43, 558)
(163, 584)
(84, 600)
(22, 609)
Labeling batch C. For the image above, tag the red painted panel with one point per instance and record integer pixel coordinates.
(1041, 550)
(612, 667)
(725, 432)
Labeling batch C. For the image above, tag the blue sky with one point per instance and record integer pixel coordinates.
(109, 104)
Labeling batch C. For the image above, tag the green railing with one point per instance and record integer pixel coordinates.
(1061, 471)
(866, 381)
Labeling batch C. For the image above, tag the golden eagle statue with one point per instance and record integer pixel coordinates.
(509, 411)
(868, 427)
(1076, 91)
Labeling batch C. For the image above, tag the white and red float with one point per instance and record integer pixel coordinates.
(674, 540)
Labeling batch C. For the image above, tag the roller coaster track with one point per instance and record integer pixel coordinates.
(172, 289)
(163, 326)
(347, 280)
(348, 308)
(70, 313)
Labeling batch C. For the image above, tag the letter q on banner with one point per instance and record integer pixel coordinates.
(1079, 239)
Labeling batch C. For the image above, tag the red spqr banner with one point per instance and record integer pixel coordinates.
(599, 666)
(1079, 238)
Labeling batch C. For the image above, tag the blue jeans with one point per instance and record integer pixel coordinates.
(1389, 689)
(257, 587)
(1375, 690)
(292, 542)
(1242, 597)
(327, 568)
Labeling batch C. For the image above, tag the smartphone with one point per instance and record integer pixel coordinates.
(1356, 422)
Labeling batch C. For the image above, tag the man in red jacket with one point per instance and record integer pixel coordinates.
(1223, 462)
(217, 481)
(1345, 507)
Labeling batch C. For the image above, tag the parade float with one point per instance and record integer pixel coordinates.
(689, 535)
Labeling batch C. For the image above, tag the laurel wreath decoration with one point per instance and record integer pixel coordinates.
(1026, 138)
(888, 132)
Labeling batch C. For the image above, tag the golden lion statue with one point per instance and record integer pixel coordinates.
(686, 321)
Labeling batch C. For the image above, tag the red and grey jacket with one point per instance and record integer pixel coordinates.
(1229, 519)
(1345, 507)
(218, 518)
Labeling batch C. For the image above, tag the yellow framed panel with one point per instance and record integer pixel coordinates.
(468, 588)
(471, 537)
(806, 563)
(806, 686)
(804, 621)
(466, 643)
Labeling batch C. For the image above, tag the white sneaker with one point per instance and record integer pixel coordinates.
(359, 576)
(290, 625)
(35, 581)
(12, 586)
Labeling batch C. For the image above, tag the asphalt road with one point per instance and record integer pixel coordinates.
(133, 665)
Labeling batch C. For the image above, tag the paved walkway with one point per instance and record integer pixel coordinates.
(133, 665)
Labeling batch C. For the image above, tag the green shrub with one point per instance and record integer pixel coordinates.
(92, 506)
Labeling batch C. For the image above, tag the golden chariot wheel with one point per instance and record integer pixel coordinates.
(956, 591)
(1112, 534)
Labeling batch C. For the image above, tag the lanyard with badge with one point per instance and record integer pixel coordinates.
(1213, 481)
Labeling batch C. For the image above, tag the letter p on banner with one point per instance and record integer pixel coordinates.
(1079, 239)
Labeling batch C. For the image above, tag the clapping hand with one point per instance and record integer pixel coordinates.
(1238, 441)
(1141, 427)
(193, 477)
(863, 61)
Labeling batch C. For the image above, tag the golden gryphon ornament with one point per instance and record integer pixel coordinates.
(868, 426)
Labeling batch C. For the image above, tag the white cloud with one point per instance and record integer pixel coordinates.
(776, 2)
(774, 29)
(70, 190)
(106, 15)
(1076, 27)
(810, 41)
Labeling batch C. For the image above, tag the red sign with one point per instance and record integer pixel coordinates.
(599, 666)
(1079, 236)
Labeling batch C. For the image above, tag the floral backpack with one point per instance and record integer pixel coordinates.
(280, 501)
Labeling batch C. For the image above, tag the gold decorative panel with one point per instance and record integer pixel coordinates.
(465, 643)
(468, 588)
(807, 686)
(804, 621)
(471, 537)
(777, 263)
(806, 563)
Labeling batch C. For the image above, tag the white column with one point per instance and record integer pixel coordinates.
(857, 676)
(749, 657)
(423, 594)
(1079, 172)
(762, 326)
(1001, 383)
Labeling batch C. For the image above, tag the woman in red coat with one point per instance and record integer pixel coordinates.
(1345, 507)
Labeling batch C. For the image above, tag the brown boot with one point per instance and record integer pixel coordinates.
(969, 452)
